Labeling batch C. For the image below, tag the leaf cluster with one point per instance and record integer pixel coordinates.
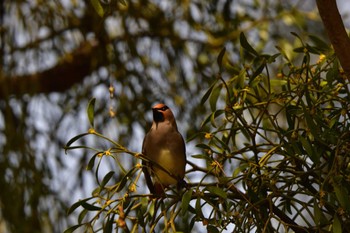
(275, 155)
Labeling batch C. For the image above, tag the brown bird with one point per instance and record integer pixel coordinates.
(165, 149)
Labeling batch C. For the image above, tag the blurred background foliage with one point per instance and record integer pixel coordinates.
(57, 55)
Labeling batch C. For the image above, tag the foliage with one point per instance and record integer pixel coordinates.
(275, 155)
(57, 55)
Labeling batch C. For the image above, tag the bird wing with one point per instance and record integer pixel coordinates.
(146, 168)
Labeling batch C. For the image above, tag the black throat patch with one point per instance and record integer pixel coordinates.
(158, 116)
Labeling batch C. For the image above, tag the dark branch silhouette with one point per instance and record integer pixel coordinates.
(336, 31)
(72, 69)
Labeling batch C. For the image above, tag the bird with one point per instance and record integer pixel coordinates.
(164, 150)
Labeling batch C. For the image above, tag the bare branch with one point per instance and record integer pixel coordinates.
(336, 31)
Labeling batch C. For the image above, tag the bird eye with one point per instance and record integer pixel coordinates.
(164, 108)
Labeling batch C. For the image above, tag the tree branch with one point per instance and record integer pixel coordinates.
(336, 31)
(72, 69)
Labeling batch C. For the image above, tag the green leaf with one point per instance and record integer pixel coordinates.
(336, 228)
(199, 212)
(107, 177)
(212, 117)
(82, 215)
(77, 204)
(264, 159)
(284, 54)
(257, 71)
(221, 55)
(73, 207)
(246, 45)
(186, 198)
(98, 7)
(242, 167)
(342, 196)
(297, 36)
(317, 213)
(278, 82)
(320, 44)
(314, 128)
(192, 136)
(96, 191)
(272, 59)
(109, 225)
(91, 162)
(90, 207)
(319, 217)
(207, 94)
(223, 144)
(309, 149)
(125, 179)
(70, 142)
(332, 75)
(217, 191)
(203, 146)
(299, 50)
(241, 78)
(144, 205)
(311, 49)
(201, 156)
(214, 97)
(72, 228)
(142, 211)
(206, 121)
(212, 229)
(91, 110)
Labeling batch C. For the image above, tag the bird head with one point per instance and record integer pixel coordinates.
(162, 113)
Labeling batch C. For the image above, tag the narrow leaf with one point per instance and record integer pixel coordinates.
(214, 97)
(217, 191)
(297, 36)
(321, 45)
(221, 55)
(257, 71)
(125, 179)
(203, 146)
(73, 228)
(77, 204)
(91, 110)
(245, 44)
(107, 177)
(336, 225)
(73, 207)
(207, 94)
(91, 162)
(109, 225)
(241, 78)
(267, 156)
(82, 215)
(98, 7)
(309, 149)
(212, 229)
(342, 196)
(199, 208)
(90, 207)
(70, 142)
(186, 198)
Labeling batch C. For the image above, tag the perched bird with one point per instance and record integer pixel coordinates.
(165, 150)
